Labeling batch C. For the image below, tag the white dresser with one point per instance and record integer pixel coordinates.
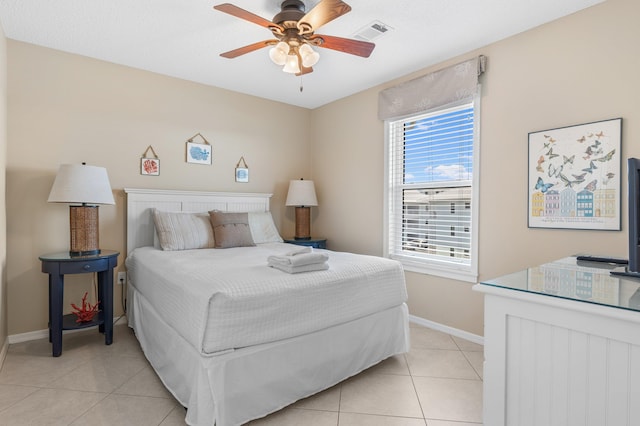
(562, 347)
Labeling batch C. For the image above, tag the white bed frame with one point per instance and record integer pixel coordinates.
(234, 387)
(140, 203)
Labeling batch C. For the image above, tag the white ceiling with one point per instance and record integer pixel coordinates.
(183, 38)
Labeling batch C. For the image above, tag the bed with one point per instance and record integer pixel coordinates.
(233, 339)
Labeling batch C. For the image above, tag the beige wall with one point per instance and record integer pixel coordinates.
(578, 69)
(3, 224)
(65, 108)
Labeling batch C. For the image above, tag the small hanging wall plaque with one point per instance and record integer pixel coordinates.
(198, 153)
(149, 166)
(242, 173)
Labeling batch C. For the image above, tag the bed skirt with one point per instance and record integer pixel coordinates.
(233, 387)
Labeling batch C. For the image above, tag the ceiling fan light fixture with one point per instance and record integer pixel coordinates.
(294, 32)
(279, 52)
(309, 56)
(292, 66)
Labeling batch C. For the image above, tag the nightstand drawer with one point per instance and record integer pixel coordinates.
(84, 267)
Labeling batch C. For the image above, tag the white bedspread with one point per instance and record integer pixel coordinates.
(223, 299)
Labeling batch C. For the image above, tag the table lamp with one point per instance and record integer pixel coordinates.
(87, 186)
(302, 195)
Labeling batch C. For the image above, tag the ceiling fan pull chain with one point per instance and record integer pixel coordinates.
(301, 88)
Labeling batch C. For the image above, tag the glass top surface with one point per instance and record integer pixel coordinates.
(66, 256)
(581, 281)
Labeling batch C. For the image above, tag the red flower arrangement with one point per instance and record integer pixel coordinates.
(87, 312)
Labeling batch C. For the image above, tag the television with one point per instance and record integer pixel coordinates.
(633, 173)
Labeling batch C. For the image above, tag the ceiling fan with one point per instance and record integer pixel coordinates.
(294, 32)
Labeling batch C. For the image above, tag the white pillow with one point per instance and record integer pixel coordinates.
(183, 230)
(263, 230)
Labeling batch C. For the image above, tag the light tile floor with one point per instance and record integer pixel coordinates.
(438, 383)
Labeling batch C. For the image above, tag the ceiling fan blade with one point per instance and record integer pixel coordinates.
(246, 15)
(246, 49)
(323, 12)
(346, 45)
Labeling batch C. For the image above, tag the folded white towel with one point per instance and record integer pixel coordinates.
(299, 259)
(290, 269)
(299, 250)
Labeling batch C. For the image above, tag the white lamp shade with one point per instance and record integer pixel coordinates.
(279, 52)
(309, 56)
(301, 193)
(79, 183)
(292, 66)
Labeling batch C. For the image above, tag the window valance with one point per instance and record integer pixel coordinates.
(442, 87)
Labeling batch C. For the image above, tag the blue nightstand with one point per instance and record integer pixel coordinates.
(58, 265)
(319, 243)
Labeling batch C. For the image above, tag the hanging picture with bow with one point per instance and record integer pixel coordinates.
(149, 166)
(198, 152)
(242, 173)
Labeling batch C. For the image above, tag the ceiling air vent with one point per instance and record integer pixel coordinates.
(373, 31)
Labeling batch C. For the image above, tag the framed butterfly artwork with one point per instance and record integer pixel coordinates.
(574, 177)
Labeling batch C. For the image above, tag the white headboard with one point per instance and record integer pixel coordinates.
(141, 202)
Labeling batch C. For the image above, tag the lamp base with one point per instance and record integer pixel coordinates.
(83, 253)
(303, 223)
(83, 226)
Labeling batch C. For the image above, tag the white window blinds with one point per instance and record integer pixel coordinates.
(431, 158)
(432, 141)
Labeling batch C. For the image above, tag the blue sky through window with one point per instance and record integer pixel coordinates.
(439, 147)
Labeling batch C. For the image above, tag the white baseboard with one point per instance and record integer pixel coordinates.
(25, 337)
(446, 329)
(42, 334)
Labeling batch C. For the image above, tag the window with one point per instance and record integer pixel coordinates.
(431, 160)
